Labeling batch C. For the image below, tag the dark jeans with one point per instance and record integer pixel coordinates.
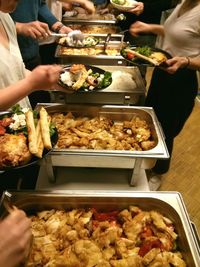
(172, 96)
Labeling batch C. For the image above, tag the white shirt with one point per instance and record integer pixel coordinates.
(12, 68)
(182, 33)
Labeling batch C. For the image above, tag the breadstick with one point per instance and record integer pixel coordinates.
(32, 138)
(44, 123)
(40, 144)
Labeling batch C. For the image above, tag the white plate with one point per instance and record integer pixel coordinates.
(129, 5)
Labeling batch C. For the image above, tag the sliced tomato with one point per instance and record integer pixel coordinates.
(106, 216)
(130, 55)
(2, 130)
(148, 245)
(6, 122)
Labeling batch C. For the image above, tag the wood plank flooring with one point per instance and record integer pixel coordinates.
(184, 173)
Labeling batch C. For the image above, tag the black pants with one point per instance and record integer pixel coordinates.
(172, 96)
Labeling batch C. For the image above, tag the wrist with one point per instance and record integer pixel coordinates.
(57, 26)
(187, 64)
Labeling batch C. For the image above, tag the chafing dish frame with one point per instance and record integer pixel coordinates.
(113, 158)
(170, 204)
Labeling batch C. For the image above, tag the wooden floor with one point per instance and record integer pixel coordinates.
(184, 173)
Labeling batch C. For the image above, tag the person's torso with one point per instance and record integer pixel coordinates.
(12, 67)
(182, 33)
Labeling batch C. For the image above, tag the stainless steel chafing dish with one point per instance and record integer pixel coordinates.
(92, 28)
(170, 204)
(122, 91)
(115, 113)
(67, 55)
(106, 158)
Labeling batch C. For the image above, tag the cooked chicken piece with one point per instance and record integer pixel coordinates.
(80, 75)
(133, 228)
(147, 145)
(13, 150)
(160, 224)
(159, 57)
(133, 261)
(88, 252)
(166, 259)
(150, 256)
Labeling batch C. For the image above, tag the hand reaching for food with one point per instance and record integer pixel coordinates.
(15, 238)
(34, 29)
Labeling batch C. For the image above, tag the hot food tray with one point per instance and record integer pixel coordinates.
(114, 113)
(98, 55)
(169, 204)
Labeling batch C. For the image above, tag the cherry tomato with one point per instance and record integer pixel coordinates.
(130, 55)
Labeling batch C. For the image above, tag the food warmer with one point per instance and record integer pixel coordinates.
(127, 88)
(90, 158)
(99, 55)
(170, 204)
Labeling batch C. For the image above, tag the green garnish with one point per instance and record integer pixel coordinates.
(144, 50)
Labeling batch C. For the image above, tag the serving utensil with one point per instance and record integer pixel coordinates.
(75, 35)
(106, 43)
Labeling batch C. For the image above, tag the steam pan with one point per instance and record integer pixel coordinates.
(116, 113)
(170, 204)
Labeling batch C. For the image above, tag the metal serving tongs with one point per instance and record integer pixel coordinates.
(106, 43)
(76, 35)
(7, 203)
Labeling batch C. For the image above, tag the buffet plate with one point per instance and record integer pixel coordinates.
(169, 204)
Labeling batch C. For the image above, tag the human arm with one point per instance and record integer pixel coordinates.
(45, 15)
(140, 27)
(41, 78)
(86, 4)
(15, 238)
(176, 63)
(138, 9)
(33, 29)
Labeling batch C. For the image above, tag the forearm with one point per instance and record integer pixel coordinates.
(157, 29)
(14, 93)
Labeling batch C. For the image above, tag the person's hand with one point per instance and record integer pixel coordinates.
(176, 63)
(34, 29)
(138, 9)
(15, 239)
(139, 27)
(44, 77)
(89, 6)
(65, 29)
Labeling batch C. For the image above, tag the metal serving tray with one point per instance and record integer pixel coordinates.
(122, 91)
(116, 113)
(100, 59)
(74, 20)
(92, 27)
(170, 204)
